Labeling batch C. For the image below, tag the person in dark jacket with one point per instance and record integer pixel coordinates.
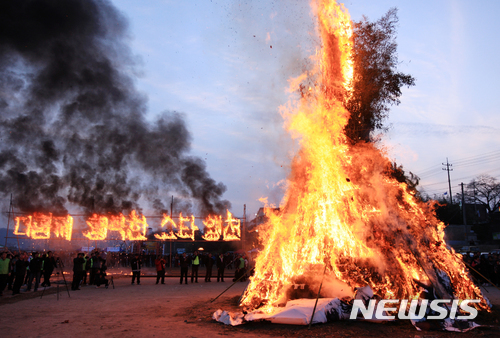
(21, 266)
(35, 272)
(184, 263)
(209, 263)
(12, 270)
(135, 264)
(101, 277)
(77, 271)
(48, 266)
(96, 262)
(221, 264)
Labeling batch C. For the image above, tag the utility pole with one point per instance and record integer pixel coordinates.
(244, 227)
(448, 165)
(463, 205)
(475, 205)
(8, 223)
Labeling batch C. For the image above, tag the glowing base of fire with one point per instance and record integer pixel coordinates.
(322, 310)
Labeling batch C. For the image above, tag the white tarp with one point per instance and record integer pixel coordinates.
(228, 318)
(299, 312)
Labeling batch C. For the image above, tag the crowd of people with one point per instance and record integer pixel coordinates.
(485, 267)
(20, 268)
(23, 268)
(220, 261)
(89, 270)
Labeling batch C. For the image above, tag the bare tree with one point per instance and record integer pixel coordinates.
(483, 189)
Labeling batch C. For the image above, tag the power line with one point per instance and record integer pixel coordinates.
(491, 156)
(484, 159)
(461, 178)
(494, 153)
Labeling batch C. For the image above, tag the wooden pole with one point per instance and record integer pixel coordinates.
(470, 267)
(236, 281)
(8, 223)
(317, 298)
(243, 228)
(170, 256)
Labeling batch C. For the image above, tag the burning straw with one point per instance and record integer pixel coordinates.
(341, 200)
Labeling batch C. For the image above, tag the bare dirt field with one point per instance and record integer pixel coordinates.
(174, 310)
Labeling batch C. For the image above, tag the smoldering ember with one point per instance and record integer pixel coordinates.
(97, 195)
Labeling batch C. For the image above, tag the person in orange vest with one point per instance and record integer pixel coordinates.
(160, 269)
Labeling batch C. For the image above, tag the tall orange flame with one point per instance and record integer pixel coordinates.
(342, 212)
(40, 226)
(232, 231)
(98, 227)
(132, 227)
(213, 228)
(185, 231)
(170, 235)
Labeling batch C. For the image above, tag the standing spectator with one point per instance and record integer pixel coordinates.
(160, 269)
(48, 266)
(240, 269)
(4, 271)
(13, 261)
(91, 271)
(35, 271)
(220, 267)
(490, 266)
(497, 271)
(209, 262)
(96, 264)
(196, 264)
(135, 264)
(21, 266)
(245, 268)
(230, 259)
(184, 263)
(484, 269)
(27, 274)
(86, 270)
(77, 271)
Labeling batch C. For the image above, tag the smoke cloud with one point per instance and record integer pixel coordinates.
(73, 129)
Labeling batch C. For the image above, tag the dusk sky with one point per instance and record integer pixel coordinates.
(225, 66)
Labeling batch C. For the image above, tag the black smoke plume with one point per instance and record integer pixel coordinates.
(73, 128)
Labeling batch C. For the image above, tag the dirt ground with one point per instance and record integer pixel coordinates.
(174, 310)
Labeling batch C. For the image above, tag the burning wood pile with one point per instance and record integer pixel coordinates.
(344, 219)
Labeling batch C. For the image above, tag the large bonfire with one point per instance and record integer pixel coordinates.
(343, 216)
